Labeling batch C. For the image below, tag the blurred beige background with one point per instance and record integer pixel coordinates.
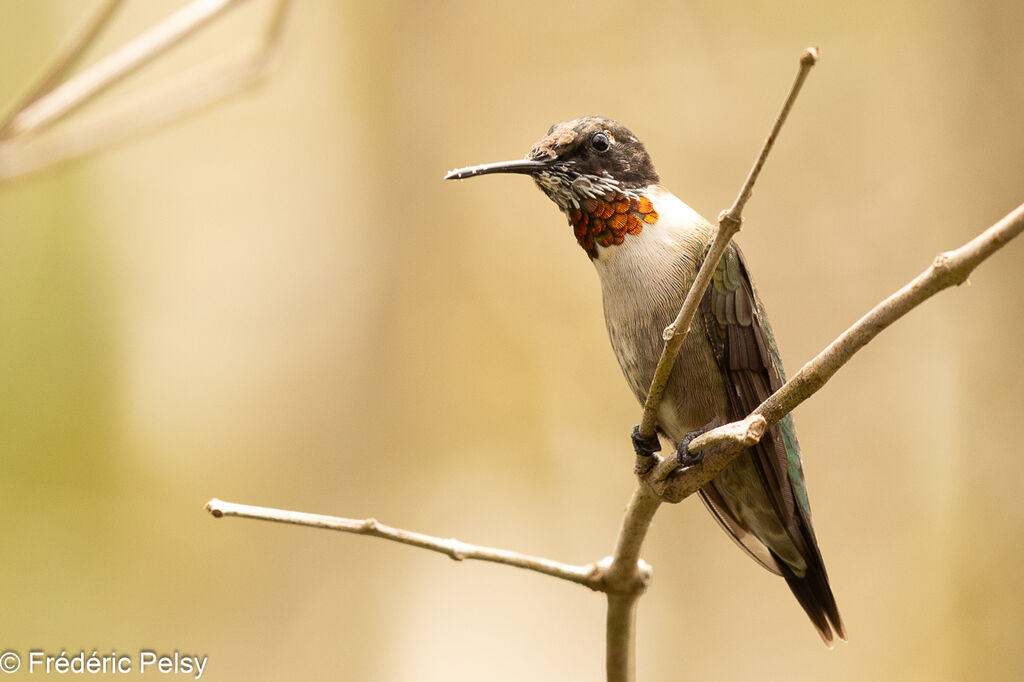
(279, 301)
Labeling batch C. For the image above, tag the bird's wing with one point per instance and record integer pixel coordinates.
(749, 360)
(746, 540)
(745, 349)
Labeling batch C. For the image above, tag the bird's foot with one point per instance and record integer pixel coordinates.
(683, 455)
(644, 447)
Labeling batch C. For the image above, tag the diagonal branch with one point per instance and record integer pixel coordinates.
(728, 225)
(948, 269)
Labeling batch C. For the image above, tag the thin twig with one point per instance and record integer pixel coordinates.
(729, 222)
(808, 59)
(589, 575)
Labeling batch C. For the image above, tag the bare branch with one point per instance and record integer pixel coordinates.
(589, 576)
(624, 576)
(728, 225)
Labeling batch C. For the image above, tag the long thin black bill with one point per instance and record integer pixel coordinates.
(526, 166)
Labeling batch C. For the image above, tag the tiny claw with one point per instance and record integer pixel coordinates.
(683, 455)
(644, 447)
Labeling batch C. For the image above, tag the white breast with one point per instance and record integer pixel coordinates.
(643, 281)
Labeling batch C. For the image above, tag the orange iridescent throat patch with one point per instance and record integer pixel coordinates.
(606, 221)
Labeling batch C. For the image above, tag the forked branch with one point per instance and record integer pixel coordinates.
(624, 576)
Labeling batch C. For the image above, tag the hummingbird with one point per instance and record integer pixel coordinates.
(647, 245)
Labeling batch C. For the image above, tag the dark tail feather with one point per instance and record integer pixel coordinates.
(815, 596)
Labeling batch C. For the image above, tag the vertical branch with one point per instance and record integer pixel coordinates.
(635, 524)
(620, 637)
(625, 580)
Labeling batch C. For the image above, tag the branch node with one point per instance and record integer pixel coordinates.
(945, 268)
(613, 578)
(728, 220)
(369, 525)
(595, 571)
(755, 430)
(645, 572)
(459, 550)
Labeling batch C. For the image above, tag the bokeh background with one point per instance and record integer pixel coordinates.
(278, 301)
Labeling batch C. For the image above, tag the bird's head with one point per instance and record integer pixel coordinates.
(596, 171)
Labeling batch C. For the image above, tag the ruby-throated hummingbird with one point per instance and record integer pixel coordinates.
(647, 245)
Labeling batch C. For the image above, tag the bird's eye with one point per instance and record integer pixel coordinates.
(600, 142)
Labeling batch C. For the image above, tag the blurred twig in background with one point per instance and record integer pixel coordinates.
(54, 97)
